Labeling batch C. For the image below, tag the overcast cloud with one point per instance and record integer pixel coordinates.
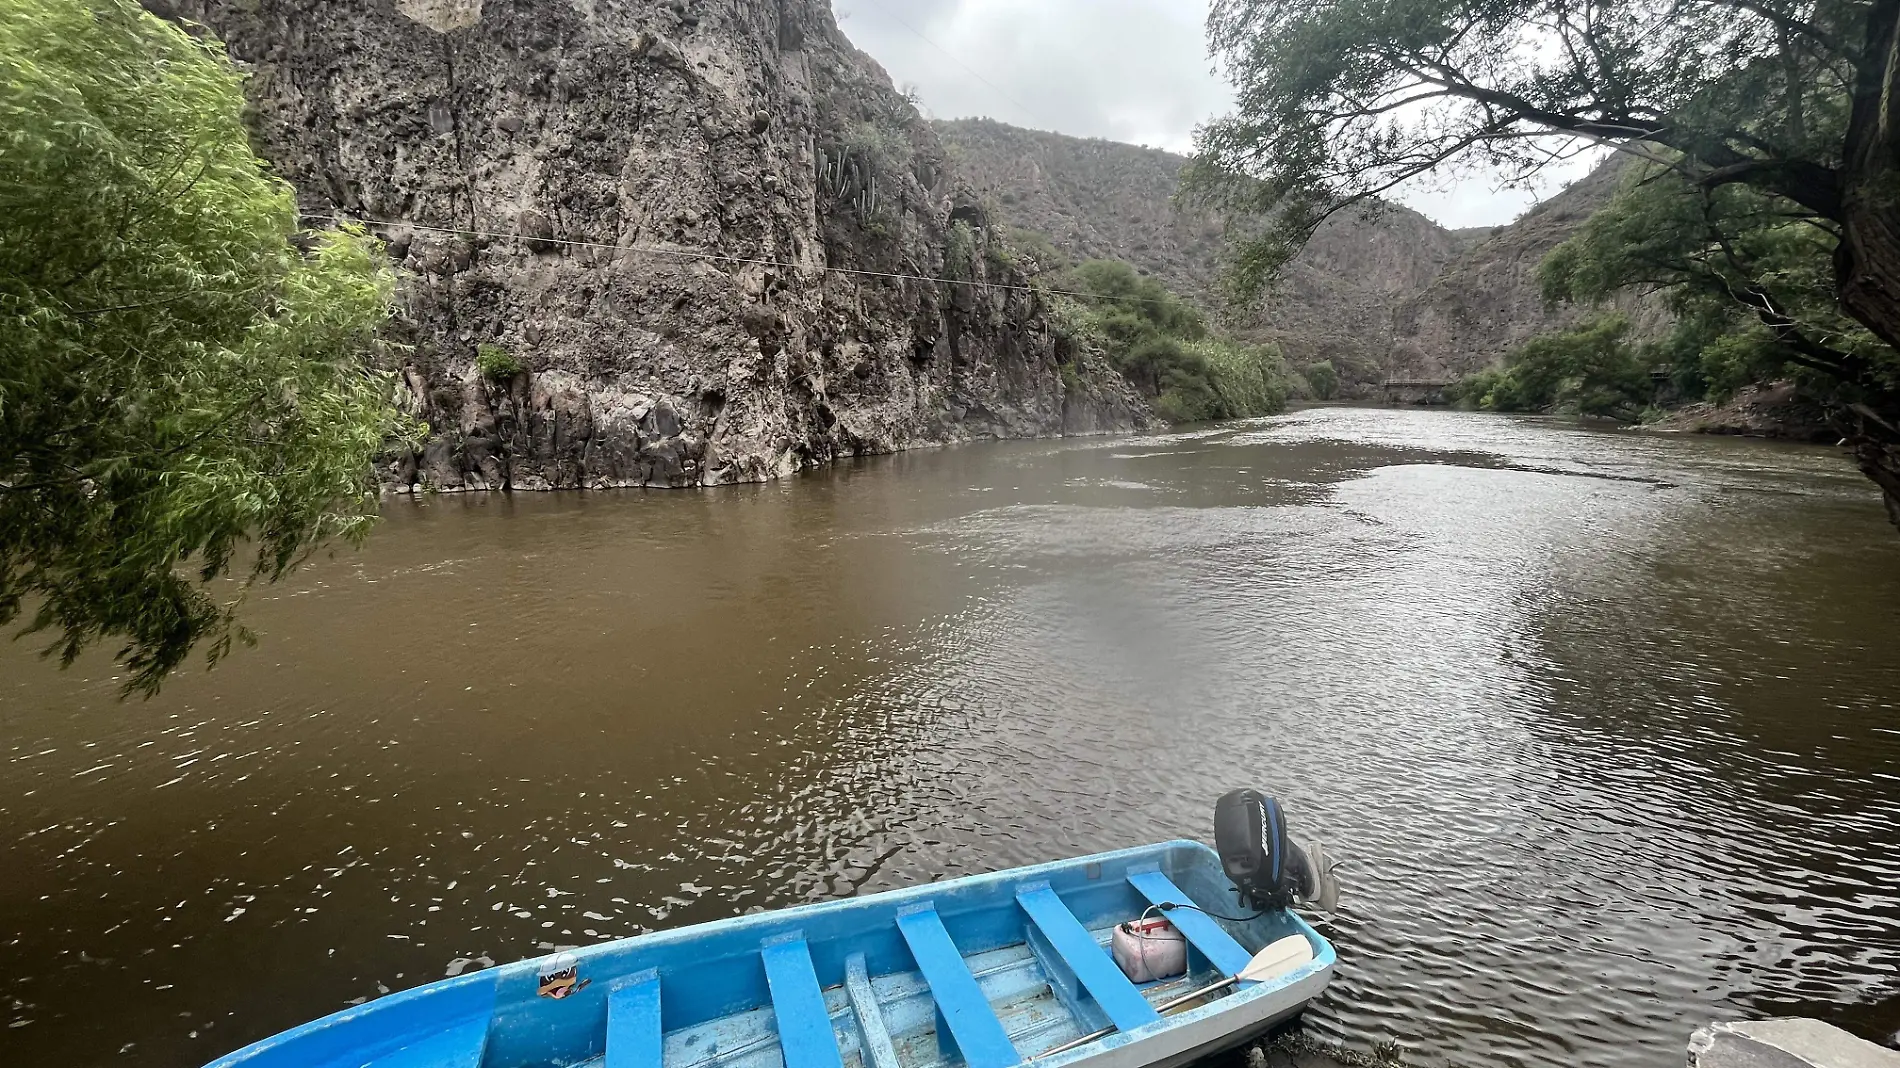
(1128, 70)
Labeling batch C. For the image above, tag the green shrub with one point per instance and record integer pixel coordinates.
(959, 251)
(1071, 378)
(884, 150)
(1589, 370)
(496, 363)
(1143, 303)
(1322, 379)
(1041, 253)
(1491, 389)
(1162, 345)
(998, 254)
(1250, 379)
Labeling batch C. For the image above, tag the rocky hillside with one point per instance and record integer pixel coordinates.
(1487, 301)
(679, 221)
(1340, 298)
(1386, 295)
(1096, 198)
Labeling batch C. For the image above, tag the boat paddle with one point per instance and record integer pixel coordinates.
(1276, 959)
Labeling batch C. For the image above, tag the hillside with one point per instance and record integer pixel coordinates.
(1385, 295)
(1096, 198)
(1487, 301)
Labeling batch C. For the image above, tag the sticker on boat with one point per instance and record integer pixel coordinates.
(559, 976)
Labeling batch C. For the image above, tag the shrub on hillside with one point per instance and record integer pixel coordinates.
(496, 363)
(1036, 252)
(1164, 347)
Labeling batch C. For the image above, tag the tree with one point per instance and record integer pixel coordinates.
(1790, 100)
(1751, 287)
(1322, 379)
(183, 384)
(1163, 346)
(1591, 369)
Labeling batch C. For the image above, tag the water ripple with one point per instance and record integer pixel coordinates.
(1605, 722)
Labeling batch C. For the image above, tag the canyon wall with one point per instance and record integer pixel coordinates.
(1488, 301)
(1386, 295)
(1094, 199)
(652, 242)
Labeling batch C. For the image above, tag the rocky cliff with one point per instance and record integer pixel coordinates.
(1387, 295)
(1093, 199)
(653, 242)
(1487, 301)
(1337, 300)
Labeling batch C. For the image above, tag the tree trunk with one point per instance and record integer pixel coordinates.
(1876, 444)
(1867, 263)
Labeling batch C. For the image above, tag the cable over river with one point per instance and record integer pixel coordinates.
(1604, 722)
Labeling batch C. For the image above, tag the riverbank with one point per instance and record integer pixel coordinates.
(1778, 410)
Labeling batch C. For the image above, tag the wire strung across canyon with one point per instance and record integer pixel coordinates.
(718, 257)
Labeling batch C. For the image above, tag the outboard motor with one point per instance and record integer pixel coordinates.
(1268, 869)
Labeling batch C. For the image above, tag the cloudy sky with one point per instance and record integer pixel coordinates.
(1127, 70)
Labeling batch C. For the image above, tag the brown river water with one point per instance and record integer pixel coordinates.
(1607, 723)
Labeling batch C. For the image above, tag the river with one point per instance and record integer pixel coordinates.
(1605, 721)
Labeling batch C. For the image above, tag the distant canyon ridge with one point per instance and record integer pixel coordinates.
(1388, 296)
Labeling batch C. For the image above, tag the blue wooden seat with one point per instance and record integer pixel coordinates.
(798, 1003)
(961, 1006)
(1226, 955)
(1125, 1006)
(633, 1023)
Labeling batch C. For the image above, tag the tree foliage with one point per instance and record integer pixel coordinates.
(1164, 347)
(1341, 100)
(183, 385)
(1781, 116)
(1751, 286)
(1591, 369)
(1322, 379)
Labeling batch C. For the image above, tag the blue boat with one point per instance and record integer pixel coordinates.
(988, 971)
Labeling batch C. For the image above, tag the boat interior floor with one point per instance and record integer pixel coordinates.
(1036, 1014)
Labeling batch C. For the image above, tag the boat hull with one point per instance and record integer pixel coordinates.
(987, 971)
(1190, 1043)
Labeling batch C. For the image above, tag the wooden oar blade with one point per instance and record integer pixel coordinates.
(1286, 955)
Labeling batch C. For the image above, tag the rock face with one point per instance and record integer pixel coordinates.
(702, 230)
(1093, 199)
(1487, 301)
(1340, 298)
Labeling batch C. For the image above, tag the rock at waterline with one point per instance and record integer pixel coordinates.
(1788, 1043)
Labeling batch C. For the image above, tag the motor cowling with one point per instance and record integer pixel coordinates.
(1250, 834)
